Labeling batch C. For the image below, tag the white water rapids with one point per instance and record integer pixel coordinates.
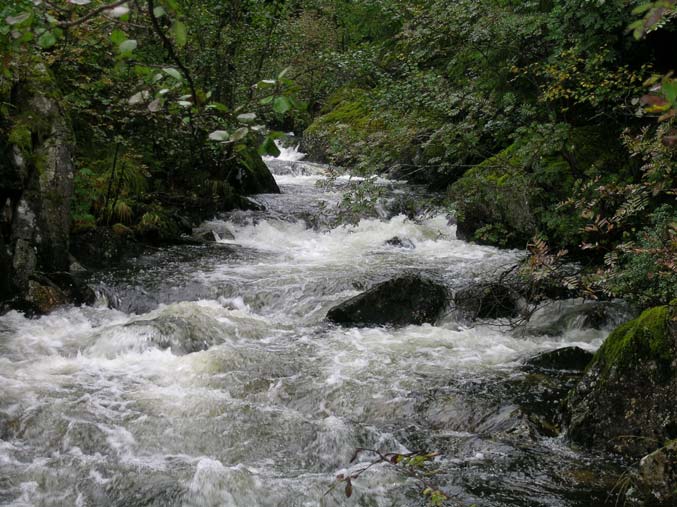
(217, 382)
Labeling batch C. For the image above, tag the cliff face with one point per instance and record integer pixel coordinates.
(36, 187)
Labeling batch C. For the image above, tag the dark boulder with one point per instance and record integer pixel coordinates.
(488, 301)
(625, 403)
(252, 176)
(402, 301)
(77, 292)
(398, 242)
(42, 297)
(567, 358)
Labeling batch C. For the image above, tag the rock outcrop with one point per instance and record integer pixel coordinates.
(402, 301)
(36, 187)
(625, 403)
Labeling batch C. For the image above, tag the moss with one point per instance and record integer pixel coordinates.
(493, 201)
(121, 230)
(20, 136)
(646, 337)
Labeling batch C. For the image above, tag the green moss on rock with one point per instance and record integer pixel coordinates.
(492, 201)
(625, 403)
(646, 337)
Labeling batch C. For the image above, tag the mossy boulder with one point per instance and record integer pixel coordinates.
(625, 403)
(251, 175)
(493, 202)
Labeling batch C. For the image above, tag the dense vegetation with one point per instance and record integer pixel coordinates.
(546, 123)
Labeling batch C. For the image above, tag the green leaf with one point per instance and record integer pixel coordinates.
(219, 135)
(173, 73)
(642, 8)
(266, 100)
(121, 11)
(669, 89)
(18, 19)
(281, 105)
(246, 117)
(239, 134)
(180, 33)
(283, 73)
(218, 106)
(47, 40)
(266, 83)
(118, 37)
(268, 147)
(128, 46)
(159, 11)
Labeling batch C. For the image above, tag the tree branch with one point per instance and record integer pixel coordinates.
(91, 14)
(170, 50)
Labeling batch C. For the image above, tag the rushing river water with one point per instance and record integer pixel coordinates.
(207, 375)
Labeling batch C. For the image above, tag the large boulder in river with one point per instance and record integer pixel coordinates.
(402, 301)
(251, 175)
(626, 403)
(491, 300)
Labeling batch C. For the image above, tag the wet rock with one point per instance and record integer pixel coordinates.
(566, 358)
(488, 301)
(208, 236)
(398, 242)
(131, 490)
(41, 298)
(557, 317)
(402, 301)
(251, 175)
(658, 475)
(625, 403)
(5, 271)
(76, 291)
(179, 333)
(36, 187)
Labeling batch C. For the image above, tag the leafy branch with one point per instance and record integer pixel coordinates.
(412, 464)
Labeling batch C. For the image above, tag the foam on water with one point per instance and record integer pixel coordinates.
(250, 398)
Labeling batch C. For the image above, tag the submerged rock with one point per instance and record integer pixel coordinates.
(398, 242)
(488, 301)
(557, 317)
(402, 301)
(625, 403)
(567, 358)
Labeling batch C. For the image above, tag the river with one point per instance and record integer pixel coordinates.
(207, 376)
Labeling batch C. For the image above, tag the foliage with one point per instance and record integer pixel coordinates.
(415, 465)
